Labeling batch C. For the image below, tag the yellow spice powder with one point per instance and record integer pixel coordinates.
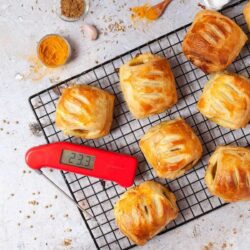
(53, 50)
(144, 12)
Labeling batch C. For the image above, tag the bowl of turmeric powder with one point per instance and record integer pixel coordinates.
(53, 50)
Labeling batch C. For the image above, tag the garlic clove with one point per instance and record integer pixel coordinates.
(90, 31)
(215, 4)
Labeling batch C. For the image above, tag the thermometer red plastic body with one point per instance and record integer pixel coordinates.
(107, 165)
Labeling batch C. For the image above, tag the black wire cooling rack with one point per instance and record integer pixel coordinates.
(98, 197)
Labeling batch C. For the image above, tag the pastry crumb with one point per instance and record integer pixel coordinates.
(67, 242)
(209, 246)
(224, 246)
(35, 129)
(52, 216)
(33, 202)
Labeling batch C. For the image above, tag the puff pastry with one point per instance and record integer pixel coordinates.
(226, 100)
(246, 13)
(228, 173)
(148, 85)
(85, 111)
(143, 211)
(213, 41)
(171, 148)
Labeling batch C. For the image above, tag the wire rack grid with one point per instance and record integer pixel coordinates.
(98, 197)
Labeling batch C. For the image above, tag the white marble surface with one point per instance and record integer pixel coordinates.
(45, 225)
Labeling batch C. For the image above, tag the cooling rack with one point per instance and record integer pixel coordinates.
(98, 197)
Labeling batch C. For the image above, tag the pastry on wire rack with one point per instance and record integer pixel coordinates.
(145, 210)
(246, 13)
(226, 100)
(228, 173)
(171, 148)
(213, 41)
(148, 85)
(85, 111)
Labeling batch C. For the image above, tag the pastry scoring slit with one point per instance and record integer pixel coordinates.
(235, 178)
(80, 130)
(175, 149)
(248, 181)
(214, 170)
(136, 63)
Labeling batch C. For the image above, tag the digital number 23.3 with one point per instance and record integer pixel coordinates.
(79, 159)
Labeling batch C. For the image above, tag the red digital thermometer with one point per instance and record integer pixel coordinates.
(84, 160)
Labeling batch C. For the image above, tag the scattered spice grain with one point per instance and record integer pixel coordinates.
(67, 242)
(202, 6)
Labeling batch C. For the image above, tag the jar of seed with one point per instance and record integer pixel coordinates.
(72, 10)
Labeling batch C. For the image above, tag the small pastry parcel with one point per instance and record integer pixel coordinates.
(226, 100)
(171, 148)
(85, 111)
(143, 211)
(246, 13)
(228, 173)
(213, 41)
(148, 85)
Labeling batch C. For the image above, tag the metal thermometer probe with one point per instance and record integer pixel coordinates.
(66, 195)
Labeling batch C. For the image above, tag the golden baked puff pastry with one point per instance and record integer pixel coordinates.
(246, 13)
(148, 85)
(85, 111)
(143, 211)
(228, 173)
(213, 41)
(171, 148)
(226, 100)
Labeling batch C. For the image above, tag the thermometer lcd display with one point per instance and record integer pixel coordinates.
(77, 159)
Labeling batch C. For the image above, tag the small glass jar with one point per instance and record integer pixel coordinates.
(68, 15)
(53, 43)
